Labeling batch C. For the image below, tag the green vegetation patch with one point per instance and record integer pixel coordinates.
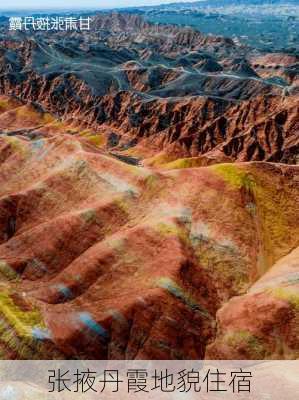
(182, 163)
(21, 327)
(96, 140)
(241, 339)
(160, 159)
(21, 321)
(7, 271)
(235, 176)
(290, 295)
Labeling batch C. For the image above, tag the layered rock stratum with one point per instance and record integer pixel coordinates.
(148, 195)
(160, 89)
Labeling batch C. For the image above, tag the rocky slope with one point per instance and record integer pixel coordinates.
(148, 182)
(160, 89)
(102, 259)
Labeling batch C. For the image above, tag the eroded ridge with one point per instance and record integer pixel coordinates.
(112, 258)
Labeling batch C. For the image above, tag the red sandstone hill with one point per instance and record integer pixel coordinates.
(102, 259)
(160, 91)
(148, 195)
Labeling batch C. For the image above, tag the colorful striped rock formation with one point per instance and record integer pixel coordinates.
(103, 259)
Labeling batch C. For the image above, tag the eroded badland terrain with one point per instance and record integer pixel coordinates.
(149, 193)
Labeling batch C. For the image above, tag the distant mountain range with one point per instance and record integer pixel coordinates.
(219, 3)
(149, 186)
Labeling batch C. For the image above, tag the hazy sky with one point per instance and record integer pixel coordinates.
(97, 4)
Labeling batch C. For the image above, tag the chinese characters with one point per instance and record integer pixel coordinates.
(141, 380)
(49, 23)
